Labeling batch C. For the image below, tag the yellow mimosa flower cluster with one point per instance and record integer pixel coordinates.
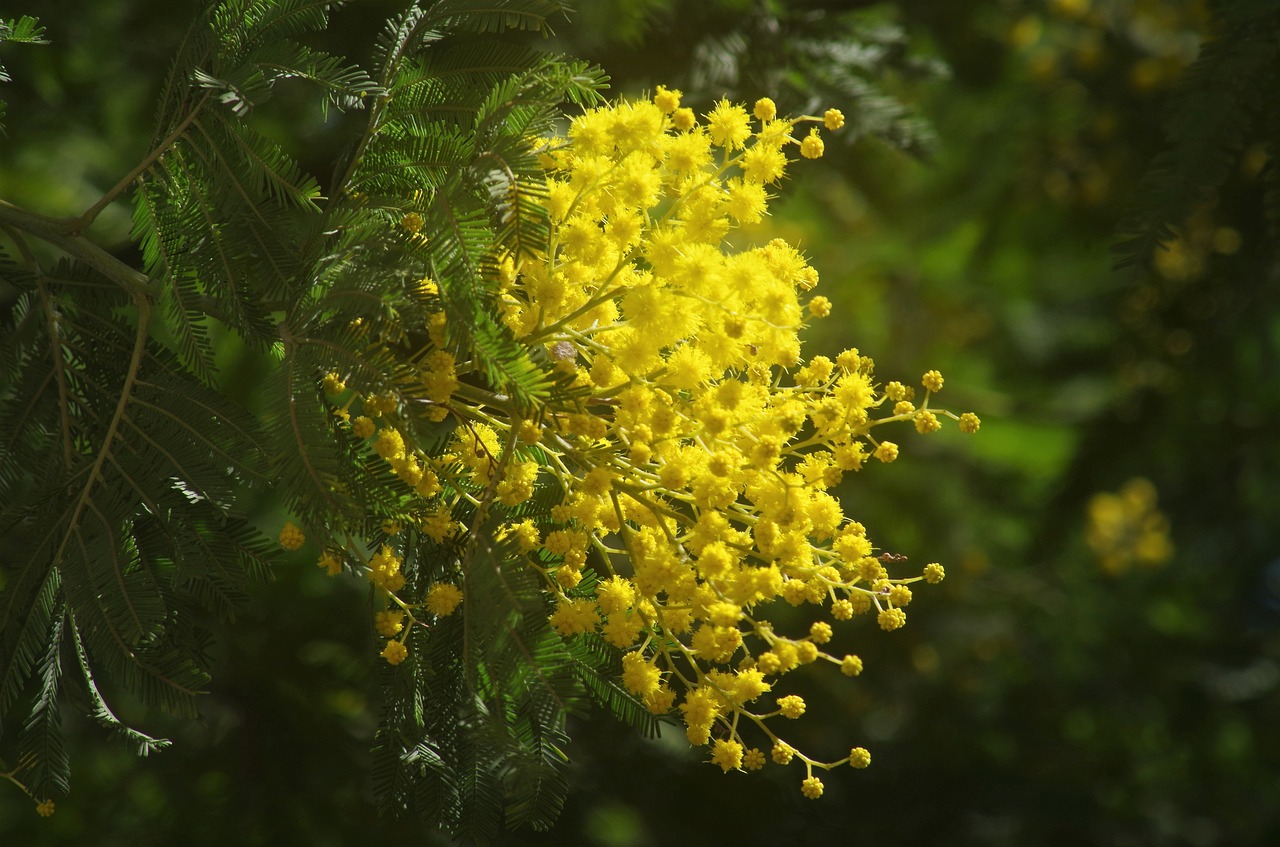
(691, 448)
(1126, 529)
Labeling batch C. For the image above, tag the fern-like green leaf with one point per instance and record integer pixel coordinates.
(29, 604)
(494, 15)
(1218, 105)
(101, 712)
(23, 30)
(42, 759)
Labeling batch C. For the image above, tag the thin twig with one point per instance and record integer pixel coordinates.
(78, 225)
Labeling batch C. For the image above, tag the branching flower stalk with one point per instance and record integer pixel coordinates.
(44, 808)
(673, 487)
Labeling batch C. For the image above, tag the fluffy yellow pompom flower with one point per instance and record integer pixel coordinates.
(842, 610)
(746, 202)
(443, 598)
(791, 706)
(891, 619)
(388, 624)
(667, 99)
(729, 125)
(700, 707)
(333, 384)
(572, 617)
(727, 754)
(615, 594)
(291, 537)
(640, 676)
(394, 652)
(765, 109)
(926, 422)
(526, 535)
(390, 444)
(331, 562)
(886, 452)
(762, 163)
(384, 569)
(812, 147)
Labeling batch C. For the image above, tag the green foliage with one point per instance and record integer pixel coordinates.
(1220, 106)
(806, 56)
(24, 30)
(478, 724)
(126, 471)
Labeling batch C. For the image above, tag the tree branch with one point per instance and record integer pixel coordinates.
(54, 231)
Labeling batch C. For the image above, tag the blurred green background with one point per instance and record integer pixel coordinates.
(1101, 665)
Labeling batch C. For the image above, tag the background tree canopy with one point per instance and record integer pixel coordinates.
(1101, 665)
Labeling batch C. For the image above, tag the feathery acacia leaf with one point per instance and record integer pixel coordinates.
(124, 470)
(494, 15)
(43, 761)
(1218, 107)
(30, 603)
(23, 30)
(101, 712)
